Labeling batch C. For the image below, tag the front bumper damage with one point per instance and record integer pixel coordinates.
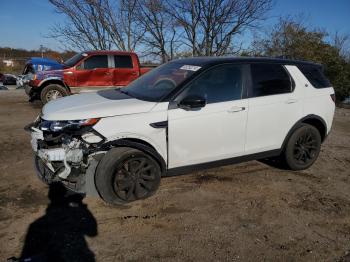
(70, 157)
(69, 153)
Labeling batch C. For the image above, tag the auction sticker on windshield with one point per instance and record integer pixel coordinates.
(190, 67)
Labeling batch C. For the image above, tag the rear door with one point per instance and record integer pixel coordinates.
(274, 107)
(215, 131)
(94, 72)
(125, 70)
(318, 90)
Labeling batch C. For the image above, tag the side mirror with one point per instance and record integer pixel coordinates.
(192, 102)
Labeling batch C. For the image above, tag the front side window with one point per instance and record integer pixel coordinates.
(219, 84)
(269, 79)
(98, 61)
(122, 61)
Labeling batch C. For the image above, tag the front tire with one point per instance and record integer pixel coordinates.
(303, 147)
(127, 174)
(52, 92)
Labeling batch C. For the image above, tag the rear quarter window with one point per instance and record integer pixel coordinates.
(315, 76)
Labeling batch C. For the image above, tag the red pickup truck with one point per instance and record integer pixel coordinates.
(89, 70)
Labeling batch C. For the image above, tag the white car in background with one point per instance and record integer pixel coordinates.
(186, 115)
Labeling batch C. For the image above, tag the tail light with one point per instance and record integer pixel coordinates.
(333, 97)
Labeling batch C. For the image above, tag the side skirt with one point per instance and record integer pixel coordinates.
(224, 162)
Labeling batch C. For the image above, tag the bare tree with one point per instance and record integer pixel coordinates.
(83, 29)
(160, 31)
(120, 22)
(210, 25)
(97, 24)
(342, 43)
(161, 28)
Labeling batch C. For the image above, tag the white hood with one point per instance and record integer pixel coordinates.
(94, 105)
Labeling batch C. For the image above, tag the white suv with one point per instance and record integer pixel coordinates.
(183, 116)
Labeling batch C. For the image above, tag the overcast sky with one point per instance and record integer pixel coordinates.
(25, 23)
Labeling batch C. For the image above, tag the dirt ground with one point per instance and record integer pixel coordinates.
(245, 212)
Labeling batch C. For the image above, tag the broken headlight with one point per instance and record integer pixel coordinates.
(57, 126)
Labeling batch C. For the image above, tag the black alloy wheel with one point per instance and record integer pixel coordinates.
(127, 174)
(135, 178)
(303, 147)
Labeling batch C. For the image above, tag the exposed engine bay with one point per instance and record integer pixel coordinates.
(65, 150)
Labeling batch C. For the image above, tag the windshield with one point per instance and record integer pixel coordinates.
(74, 60)
(159, 82)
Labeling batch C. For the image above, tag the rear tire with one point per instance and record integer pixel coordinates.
(303, 147)
(52, 92)
(126, 174)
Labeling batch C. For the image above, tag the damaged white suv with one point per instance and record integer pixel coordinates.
(182, 116)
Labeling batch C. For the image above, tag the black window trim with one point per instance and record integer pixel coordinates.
(250, 77)
(173, 103)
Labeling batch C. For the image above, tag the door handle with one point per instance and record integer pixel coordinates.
(291, 101)
(107, 73)
(236, 109)
(134, 73)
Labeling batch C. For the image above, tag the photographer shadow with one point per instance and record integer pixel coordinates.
(59, 235)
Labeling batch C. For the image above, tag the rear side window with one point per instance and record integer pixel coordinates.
(219, 84)
(315, 75)
(98, 61)
(122, 61)
(269, 79)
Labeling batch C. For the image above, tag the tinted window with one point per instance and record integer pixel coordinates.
(160, 81)
(315, 75)
(123, 61)
(98, 61)
(222, 83)
(269, 79)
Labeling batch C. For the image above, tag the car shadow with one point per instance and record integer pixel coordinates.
(59, 235)
(275, 162)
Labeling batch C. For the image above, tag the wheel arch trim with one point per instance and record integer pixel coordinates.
(139, 144)
(306, 120)
(53, 80)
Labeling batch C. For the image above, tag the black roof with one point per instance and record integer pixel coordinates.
(204, 61)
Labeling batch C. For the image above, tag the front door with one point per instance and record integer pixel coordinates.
(215, 131)
(94, 72)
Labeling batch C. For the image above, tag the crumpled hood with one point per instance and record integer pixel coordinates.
(94, 105)
(44, 64)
